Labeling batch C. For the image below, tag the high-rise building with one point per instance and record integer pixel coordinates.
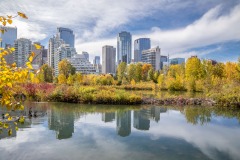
(96, 60)
(81, 64)
(23, 48)
(108, 59)
(97, 64)
(8, 37)
(53, 44)
(152, 56)
(66, 35)
(65, 51)
(86, 55)
(140, 45)
(44, 55)
(174, 61)
(7, 41)
(124, 47)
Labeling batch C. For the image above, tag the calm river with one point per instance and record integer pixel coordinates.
(97, 132)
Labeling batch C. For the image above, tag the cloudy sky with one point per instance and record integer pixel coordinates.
(207, 28)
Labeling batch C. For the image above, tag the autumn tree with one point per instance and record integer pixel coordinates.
(231, 71)
(138, 72)
(175, 77)
(145, 68)
(62, 79)
(46, 73)
(150, 74)
(66, 68)
(194, 73)
(10, 78)
(121, 71)
(131, 72)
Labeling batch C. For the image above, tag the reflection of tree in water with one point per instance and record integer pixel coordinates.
(202, 115)
(197, 115)
(123, 123)
(61, 119)
(37, 110)
(227, 112)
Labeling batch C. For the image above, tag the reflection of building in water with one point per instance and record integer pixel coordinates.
(124, 123)
(108, 117)
(62, 122)
(141, 119)
(155, 112)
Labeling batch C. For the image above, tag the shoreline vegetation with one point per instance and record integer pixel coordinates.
(218, 84)
(115, 95)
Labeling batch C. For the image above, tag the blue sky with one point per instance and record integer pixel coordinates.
(207, 28)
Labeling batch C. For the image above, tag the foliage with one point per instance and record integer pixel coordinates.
(65, 68)
(98, 95)
(10, 79)
(62, 79)
(46, 73)
(121, 70)
(145, 69)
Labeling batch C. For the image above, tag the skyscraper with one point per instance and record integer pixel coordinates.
(108, 59)
(124, 47)
(140, 45)
(152, 56)
(23, 48)
(9, 36)
(96, 60)
(66, 35)
(53, 44)
(97, 64)
(7, 40)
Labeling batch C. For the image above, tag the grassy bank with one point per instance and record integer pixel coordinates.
(223, 95)
(80, 94)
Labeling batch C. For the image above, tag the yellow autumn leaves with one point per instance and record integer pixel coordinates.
(11, 76)
(4, 20)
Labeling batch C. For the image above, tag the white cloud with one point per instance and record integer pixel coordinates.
(93, 20)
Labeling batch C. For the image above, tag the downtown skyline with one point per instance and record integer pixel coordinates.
(181, 28)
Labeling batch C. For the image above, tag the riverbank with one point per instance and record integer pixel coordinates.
(117, 96)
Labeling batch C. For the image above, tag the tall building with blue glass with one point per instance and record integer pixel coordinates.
(124, 47)
(140, 45)
(66, 35)
(9, 36)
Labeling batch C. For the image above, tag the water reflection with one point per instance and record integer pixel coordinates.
(123, 123)
(61, 120)
(127, 132)
(141, 119)
(108, 117)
